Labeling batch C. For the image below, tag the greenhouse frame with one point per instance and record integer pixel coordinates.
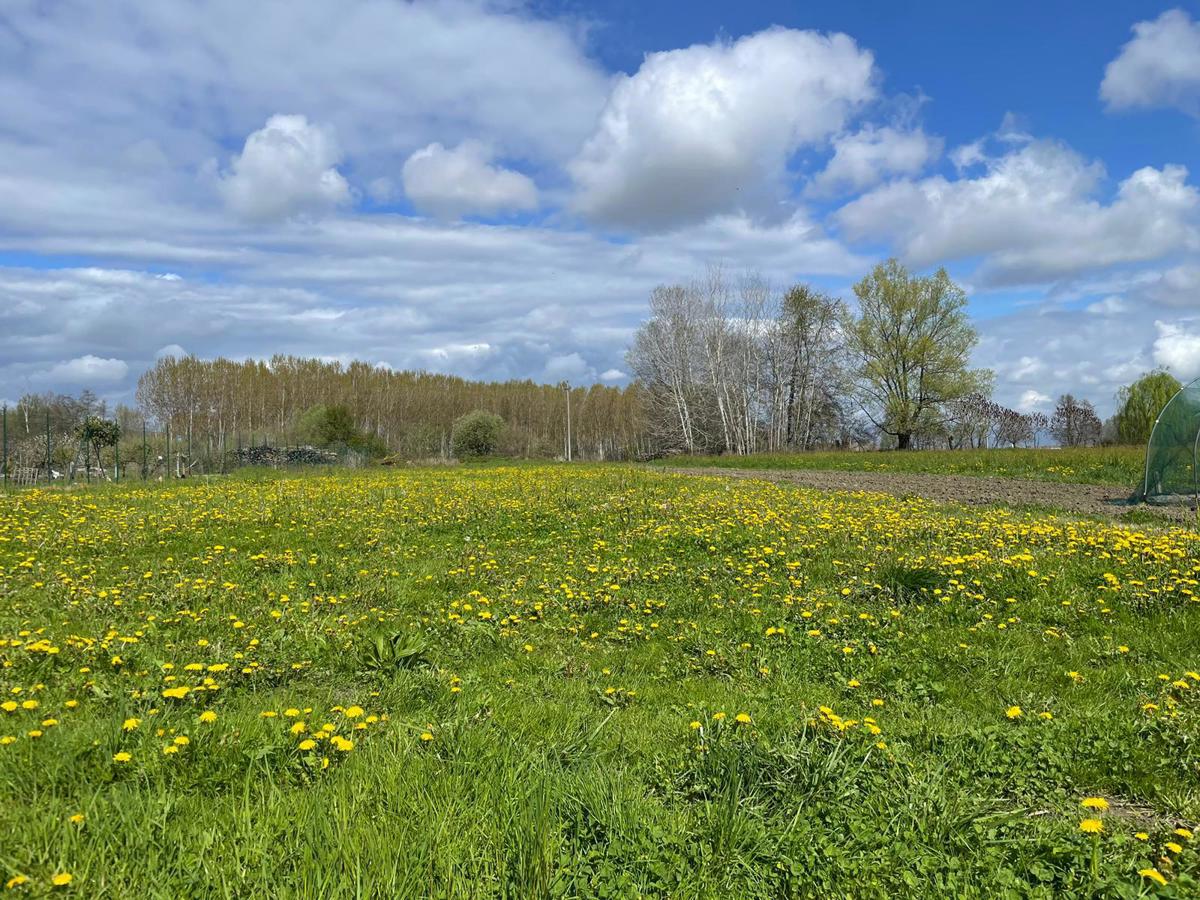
(1173, 452)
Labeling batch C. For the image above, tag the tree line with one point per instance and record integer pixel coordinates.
(723, 364)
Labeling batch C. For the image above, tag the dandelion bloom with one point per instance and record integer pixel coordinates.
(693, 725)
(342, 743)
(122, 757)
(1091, 826)
(307, 744)
(1142, 836)
(208, 716)
(1173, 847)
(15, 881)
(1094, 803)
(77, 819)
(742, 718)
(353, 712)
(1183, 833)
(1013, 712)
(426, 736)
(62, 879)
(1153, 875)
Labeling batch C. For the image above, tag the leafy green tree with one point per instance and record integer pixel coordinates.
(1140, 404)
(912, 342)
(324, 426)
(476, 434)
(98, 433)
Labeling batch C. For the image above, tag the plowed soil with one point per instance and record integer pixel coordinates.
(1085, 499)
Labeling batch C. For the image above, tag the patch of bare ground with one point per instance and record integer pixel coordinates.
(1085, 499)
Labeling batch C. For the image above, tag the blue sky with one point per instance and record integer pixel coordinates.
(492, 189)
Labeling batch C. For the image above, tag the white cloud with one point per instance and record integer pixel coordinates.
(1177, 348)
(1159, 67)
(1109, 306)
(453, 183)
(1177, 286)
(170, 351)
(611, 375)
(1032, 401)
(287, 167)
(1034, 215)
(566, 367)
(89, 370)
(710, 128)
(872, 154)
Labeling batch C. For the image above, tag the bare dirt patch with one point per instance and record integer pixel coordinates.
(1086, 499)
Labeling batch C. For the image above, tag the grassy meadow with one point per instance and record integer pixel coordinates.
(590, 682)
(1123, 466)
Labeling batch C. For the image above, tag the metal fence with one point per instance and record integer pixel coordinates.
(52, 453)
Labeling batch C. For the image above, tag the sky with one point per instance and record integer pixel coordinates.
(493, 189)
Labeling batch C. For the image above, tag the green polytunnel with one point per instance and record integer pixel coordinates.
(1173, 453)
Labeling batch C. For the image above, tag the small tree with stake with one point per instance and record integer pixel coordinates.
(97, 433)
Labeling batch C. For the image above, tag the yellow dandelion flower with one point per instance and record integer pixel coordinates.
(76, 819)
(1091, 826)
(742, 718)
(1153, 874)
(1094, 803)
(208, 716)
(62, 879)
(353, 712)
(426, 736)
(307, 744)
(15, 881)
(122, 757)
(1013, 712)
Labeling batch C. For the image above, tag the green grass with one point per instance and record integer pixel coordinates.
(549, 664)
(1081, 465)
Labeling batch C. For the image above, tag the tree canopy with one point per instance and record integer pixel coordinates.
(1140, 404)
(912, 341)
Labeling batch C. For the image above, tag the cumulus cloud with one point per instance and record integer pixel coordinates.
(710, 128)
(1159, 67)
(1034, 214)
(868, 156)
(1109, 306)
(1177, 347)
(451, 183)
(1033, 401)
(287, 167)
(611, 375)
(1177, 286)
(566, 367)
(89, 370)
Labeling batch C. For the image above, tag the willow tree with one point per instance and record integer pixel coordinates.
(912, 341)
(1140, 404)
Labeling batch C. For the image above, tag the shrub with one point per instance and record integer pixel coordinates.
(476, 434)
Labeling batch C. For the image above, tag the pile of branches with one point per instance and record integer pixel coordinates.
(283, 456)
